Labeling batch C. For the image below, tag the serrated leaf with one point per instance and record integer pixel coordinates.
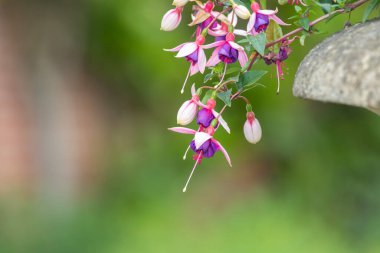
(249, 78)
(225, 97)
(372, 5)
(258, 42)
(304, 22)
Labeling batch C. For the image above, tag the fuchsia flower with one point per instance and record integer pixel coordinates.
(278, 59)
(171, 19)
(188, 110)
(260, 19)
(194, 53)
(207, 114)
(252, 128)
(203, 144)
(228, 52)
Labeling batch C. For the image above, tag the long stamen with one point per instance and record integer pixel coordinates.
(187, 150)
(184, 84)
(191, 174)
(278, 76)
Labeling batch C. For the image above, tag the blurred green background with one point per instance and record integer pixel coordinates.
(311, 185)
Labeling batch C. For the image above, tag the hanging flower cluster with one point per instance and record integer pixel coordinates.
(215, 30)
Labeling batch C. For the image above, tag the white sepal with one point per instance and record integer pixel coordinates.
(186, 113)
(252, 132)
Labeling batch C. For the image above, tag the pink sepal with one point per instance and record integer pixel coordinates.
(182, 130)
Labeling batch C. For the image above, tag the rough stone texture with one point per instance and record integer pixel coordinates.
(344, 68)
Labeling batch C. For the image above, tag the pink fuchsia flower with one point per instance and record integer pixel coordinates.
(207, 114)
(278, 59)
(228, 51)
(188, 110)
(194, 53)
(204, 145)
(252, 129)
(260, 19)
(171, 19)
(222, 30)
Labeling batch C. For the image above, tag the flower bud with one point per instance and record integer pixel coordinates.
(252, 129)
(180, 3)
(171, 19)
(241, 11)
(186, 113)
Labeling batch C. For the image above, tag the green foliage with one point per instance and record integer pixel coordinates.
(258, 42)
(225, 97)
(274, 32)
(249, 78)
(372, 5)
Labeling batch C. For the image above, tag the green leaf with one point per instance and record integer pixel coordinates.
(258, 42)
(232, 70)
(207, 96)
(326, 7)
(372, 5)
(302, 40)
(298, 9)
(274, 32)
(282, 2)
(225, 97)
(208, 77)
(249, 78)
(246, 3)
(304, 22)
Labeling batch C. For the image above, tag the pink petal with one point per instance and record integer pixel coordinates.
(267, 12)
(176, 49)
(235, 45)
(217, 32)
(221, 121)
(194, 69)
(224, 151)
(201, 60)
(182, 130)
(232, 17)
(214, 44)
(214, 59)
(187, 49)
(243, 58)
(193, 91)
(251, 22)
(278, 20)
(200, 138)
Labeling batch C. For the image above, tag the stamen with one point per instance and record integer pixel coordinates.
(187, 150)
(191, 174)
(184, 84)
(279, 71)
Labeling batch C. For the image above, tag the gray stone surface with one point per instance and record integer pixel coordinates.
(344, 68)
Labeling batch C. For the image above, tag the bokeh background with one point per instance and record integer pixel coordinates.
(87, 163)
